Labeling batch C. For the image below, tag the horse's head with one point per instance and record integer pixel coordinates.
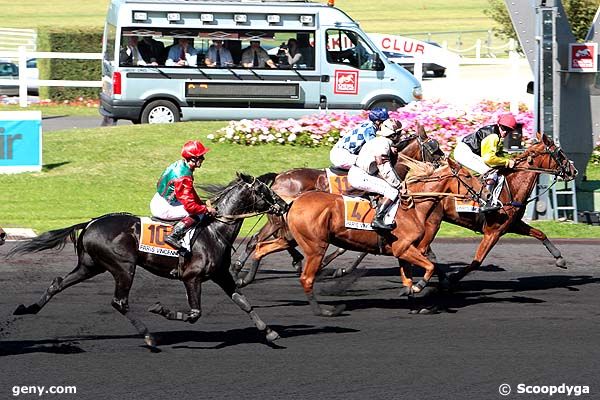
(2, 236)
(261, 197)
(545, 154)
(421, 147)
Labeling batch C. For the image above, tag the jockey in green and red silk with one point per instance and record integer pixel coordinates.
(175, 196)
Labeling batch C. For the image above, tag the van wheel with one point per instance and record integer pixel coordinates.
(160, 112)
(390, 105)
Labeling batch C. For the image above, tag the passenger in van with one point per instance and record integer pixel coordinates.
(256, 57)
(132, 54)
(288, 55)
(182, 54)
(306, 50)
(218, 56)
(152, 50)
(344, 153)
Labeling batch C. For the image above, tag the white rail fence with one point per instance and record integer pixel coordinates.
(11, 39)
(23, 55)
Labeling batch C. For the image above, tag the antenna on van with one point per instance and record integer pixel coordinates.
(331, 3)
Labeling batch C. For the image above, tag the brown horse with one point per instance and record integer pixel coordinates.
(290, 184)
(543, 157)
(317, 219)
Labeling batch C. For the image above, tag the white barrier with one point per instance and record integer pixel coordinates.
(22, 55)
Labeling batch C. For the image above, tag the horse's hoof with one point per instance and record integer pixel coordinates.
(332, 311)
(272, 335)
(150, 344)
(561, 263)
(405, 291)
(21, 310)
(239, 283)
(428, 311)
(156, 308)
(338, 273)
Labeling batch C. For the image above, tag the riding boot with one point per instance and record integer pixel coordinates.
(179, 230)
(378, 223)
(490, 205)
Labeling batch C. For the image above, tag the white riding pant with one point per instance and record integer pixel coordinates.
(360, 179)
(464, 155)
(342, 158)
(160, 208)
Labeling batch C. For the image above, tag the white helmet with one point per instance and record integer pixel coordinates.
(389, 127)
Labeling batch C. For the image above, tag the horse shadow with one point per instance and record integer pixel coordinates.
(468, 293)
(177, 339)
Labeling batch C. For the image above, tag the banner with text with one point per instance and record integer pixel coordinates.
(20, 141)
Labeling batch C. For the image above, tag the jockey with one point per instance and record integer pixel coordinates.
(343, 154)
(483, 150)
(175, 196)
(374, 172)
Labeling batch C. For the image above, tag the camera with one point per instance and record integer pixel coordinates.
(281, 56)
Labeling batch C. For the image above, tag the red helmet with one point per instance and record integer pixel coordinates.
(508, 120)
(193, 148)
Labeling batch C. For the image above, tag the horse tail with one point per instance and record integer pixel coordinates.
(56, 239)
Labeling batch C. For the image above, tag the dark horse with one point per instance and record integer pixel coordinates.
(110, 243)
(2, 236)
(290, 184)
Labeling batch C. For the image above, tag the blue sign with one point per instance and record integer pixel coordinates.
(20, 141)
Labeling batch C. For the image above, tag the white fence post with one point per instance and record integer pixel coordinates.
(22, 76)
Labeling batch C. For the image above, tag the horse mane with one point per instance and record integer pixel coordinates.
(215, 191)
(416, 169)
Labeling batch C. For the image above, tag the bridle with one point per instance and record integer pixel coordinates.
(257, 187)
(556, 154)
(428, 147)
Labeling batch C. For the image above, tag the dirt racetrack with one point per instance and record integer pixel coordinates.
(518, 320)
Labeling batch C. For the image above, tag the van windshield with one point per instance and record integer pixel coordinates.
(348, 48)
(215, 49)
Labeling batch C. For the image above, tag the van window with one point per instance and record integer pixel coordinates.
(348, 48)
(159, 47)
(110, 35)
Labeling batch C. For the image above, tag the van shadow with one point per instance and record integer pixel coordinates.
(177, 339)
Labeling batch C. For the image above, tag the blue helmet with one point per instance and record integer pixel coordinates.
(378, 114)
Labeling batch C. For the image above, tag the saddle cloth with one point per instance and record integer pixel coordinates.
(338, 180)
(152, 235)
(359, 213)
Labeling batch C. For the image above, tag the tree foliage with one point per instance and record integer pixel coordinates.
(580, 14)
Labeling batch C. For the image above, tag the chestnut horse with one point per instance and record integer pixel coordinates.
(542, 157)
(290, 184)
(545, 157)
(317, 219)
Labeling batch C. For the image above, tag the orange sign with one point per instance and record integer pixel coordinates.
(338, 184)
(358, 212)
(152, 238)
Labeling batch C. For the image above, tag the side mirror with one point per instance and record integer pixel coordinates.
(378, 64)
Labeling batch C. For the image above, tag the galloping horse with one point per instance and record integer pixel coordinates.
(290, 184)
(317, 219)
(542, 157)
(2, 236)
(110, 243)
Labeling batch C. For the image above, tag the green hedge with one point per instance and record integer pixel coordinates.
(71, 40)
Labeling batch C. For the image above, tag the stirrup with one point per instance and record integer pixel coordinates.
(380, 225)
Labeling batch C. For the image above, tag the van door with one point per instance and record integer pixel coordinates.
(348, 73)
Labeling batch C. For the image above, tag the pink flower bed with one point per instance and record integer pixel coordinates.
(444, 122)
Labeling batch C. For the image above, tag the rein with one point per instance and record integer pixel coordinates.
(232, 218)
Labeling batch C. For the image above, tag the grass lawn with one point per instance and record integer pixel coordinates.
(116, 168)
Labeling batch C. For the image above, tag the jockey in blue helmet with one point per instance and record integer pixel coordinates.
(344, 152)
